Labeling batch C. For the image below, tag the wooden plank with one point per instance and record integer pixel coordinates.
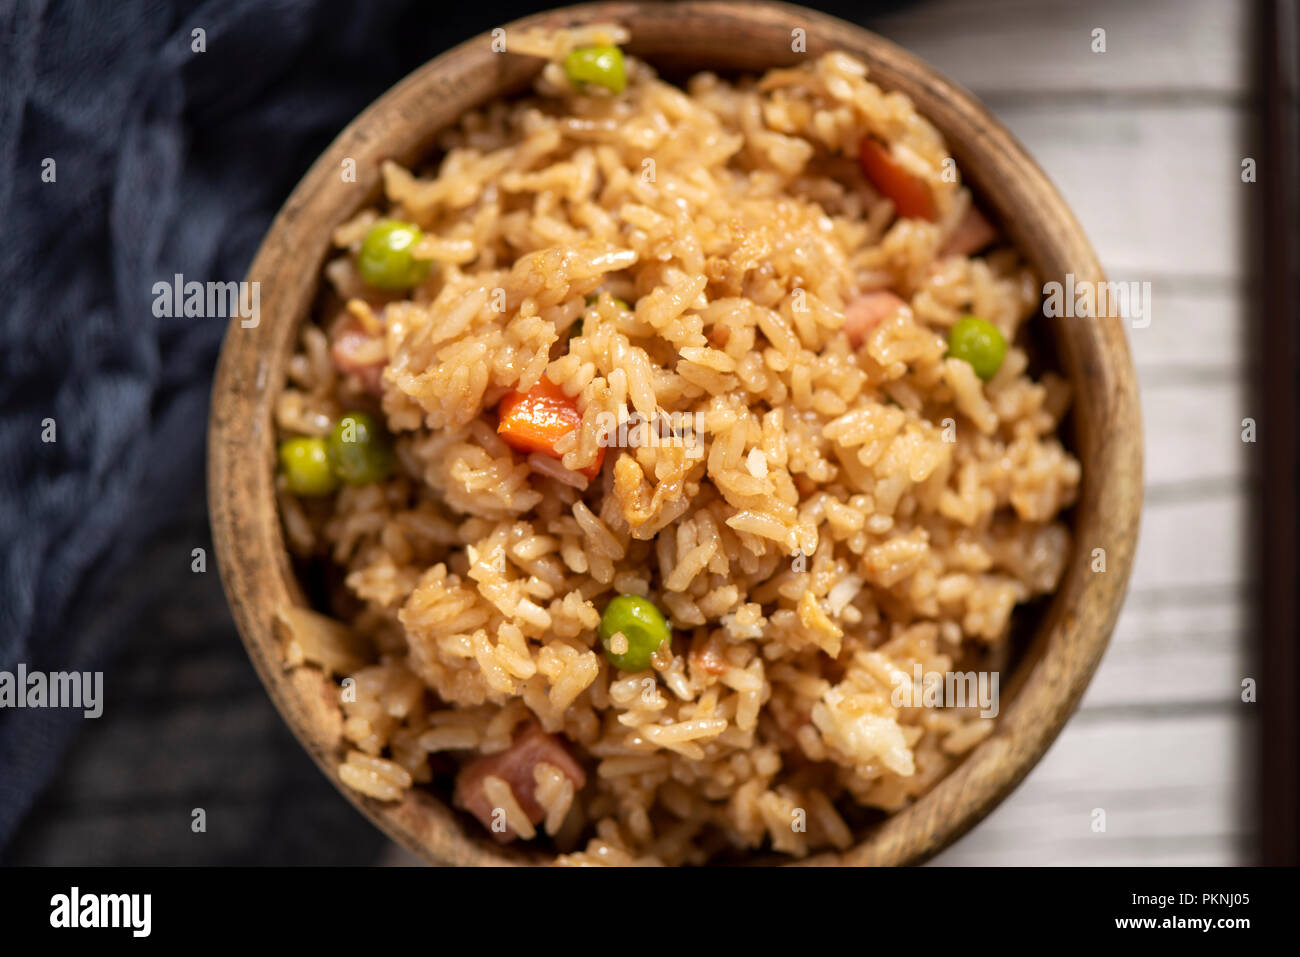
(1157, 188)
(1172, 653)
(984, 847)
(1192, 329)
(1193, 432)
(170, 766)
(1185, 547)
(1044, 47)
(1276, 518)
(1168, 786)
(1176, 852)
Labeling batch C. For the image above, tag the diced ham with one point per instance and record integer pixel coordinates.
(354, 352)
(865, 312)
(515, 765)
(706, 656)
(972, 233)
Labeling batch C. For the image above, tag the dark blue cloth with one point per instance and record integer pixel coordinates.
(166, 160)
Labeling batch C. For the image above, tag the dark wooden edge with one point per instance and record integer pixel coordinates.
(1094, 353)
(1276, 401)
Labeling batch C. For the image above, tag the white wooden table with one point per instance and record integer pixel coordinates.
(1146, 142)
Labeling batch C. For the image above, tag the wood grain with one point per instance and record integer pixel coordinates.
(1276, 518)
(1092, 353)
(1154, 49)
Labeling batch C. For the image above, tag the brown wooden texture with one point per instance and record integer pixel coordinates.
(747, 37)
(1277, 613)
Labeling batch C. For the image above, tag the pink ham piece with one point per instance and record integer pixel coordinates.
(971, 234)
(531, 746)
(350, 347)
(865, 312)
(706, 655)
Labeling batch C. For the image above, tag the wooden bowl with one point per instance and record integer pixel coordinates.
(1093, 353)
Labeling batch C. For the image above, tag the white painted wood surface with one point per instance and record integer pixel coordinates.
(1014, 47)
(1145, 142)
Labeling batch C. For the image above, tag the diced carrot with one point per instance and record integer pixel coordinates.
(534, 421)
(910, 193)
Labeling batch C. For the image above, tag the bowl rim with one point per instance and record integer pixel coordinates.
(253, 560)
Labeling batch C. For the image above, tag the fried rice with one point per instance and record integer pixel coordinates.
(845, 504)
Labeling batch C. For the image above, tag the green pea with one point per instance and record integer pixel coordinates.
(592, 297)
(306, 467)
(600, 66)
(359, 450)
(386, 262)
(641, 623)
(978, 342)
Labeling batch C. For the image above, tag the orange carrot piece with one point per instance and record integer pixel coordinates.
(535, 420)
(910, 193)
